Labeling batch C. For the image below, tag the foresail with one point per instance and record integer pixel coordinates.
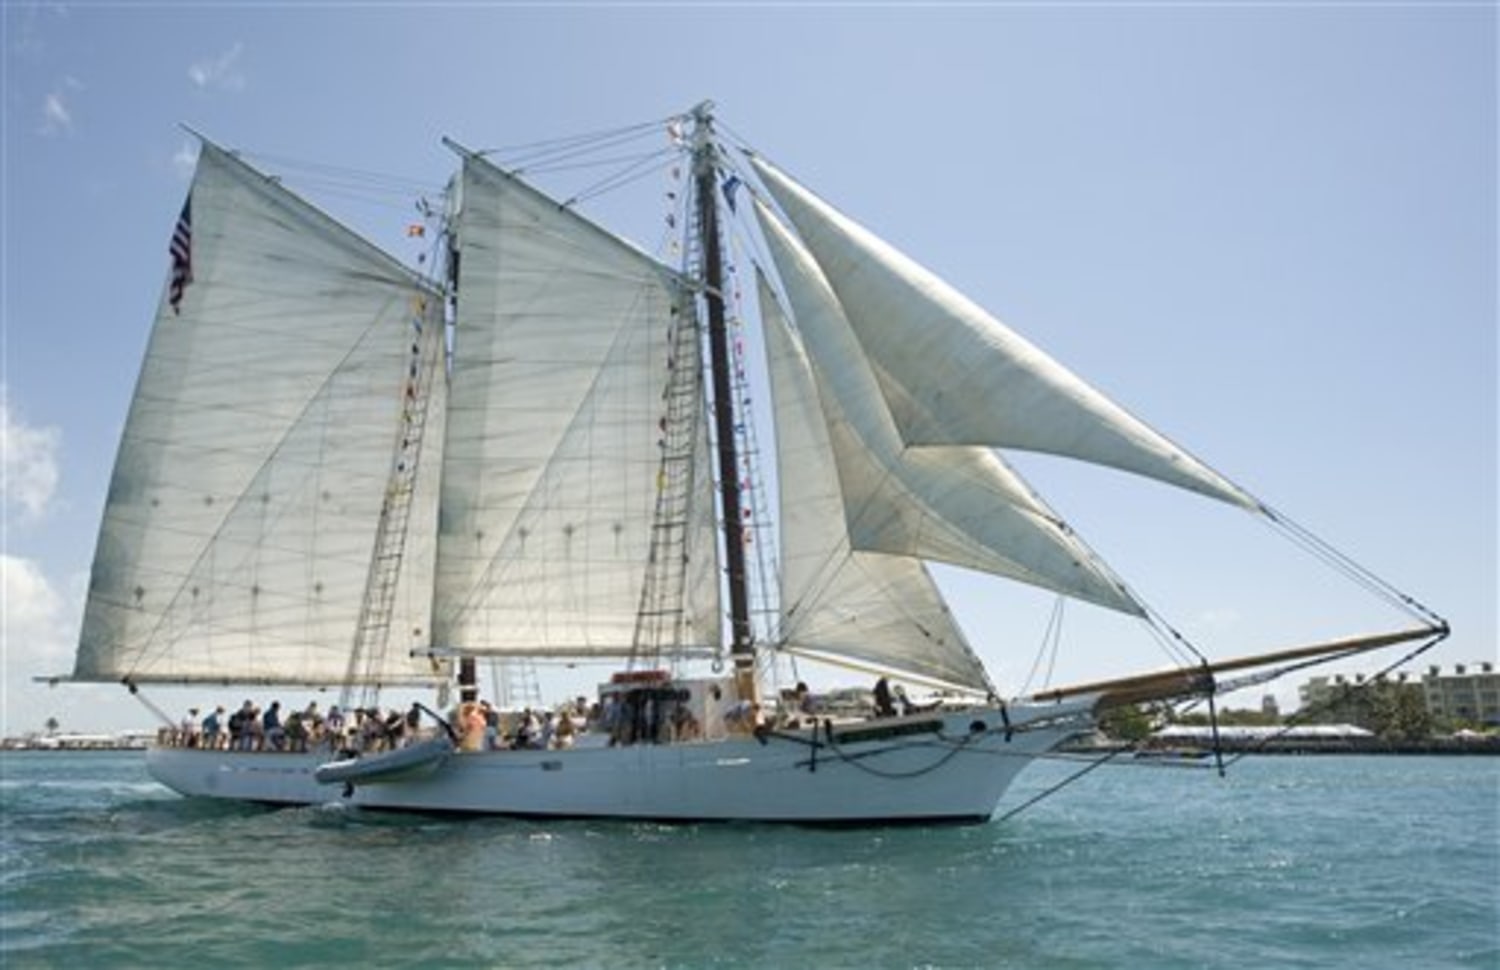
(240, 520)
(954, 504)
(953, 374)
(562, 353)
(884, 610)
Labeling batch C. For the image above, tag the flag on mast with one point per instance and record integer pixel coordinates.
(181, 250)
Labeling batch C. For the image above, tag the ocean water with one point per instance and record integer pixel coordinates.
(1327, 862)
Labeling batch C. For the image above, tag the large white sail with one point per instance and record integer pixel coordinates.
(953, 374)
(562, 354)
(882, 610)
(956, 504)
(240, 521)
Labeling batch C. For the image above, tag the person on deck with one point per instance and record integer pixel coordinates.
(471, 717)
(413, 722)
(213, 728)
(187, 731)
(566, 729)
(275, 734)
(884, 706)
(296, 732)
(333, 724)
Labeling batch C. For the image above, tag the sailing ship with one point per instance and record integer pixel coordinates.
(341, 471)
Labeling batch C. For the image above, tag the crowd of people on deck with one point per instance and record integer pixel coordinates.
(249, 728)
(641, 716)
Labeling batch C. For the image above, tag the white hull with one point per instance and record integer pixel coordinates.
(955, 774)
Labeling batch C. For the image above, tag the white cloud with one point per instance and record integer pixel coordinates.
(219, 72)
(56, 116)
(38, 627)
(28, 462)
(185, 158)
(33, 614)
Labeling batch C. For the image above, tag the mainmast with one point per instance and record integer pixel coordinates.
(742, 647)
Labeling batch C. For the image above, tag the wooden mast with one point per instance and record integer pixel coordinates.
(742, 646)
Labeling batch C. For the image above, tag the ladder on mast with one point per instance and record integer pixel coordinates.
(660, 618)
(372, 629)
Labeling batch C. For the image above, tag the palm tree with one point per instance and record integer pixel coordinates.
(52, 725)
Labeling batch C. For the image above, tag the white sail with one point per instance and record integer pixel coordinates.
(835, 600)
(955, 504)
(953, 374)
(238, 530)
(562, 353)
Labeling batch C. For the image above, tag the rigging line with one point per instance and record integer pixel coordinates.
(135, 692)
(1051, 790)
(633, 173)
(396, 182)
(634, 158)
(572, 141)
(1360, 574)
(1300, 717)
(1051, 636)
(954, 748)
(398, 199)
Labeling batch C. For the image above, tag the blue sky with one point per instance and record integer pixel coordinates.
(1269, 230)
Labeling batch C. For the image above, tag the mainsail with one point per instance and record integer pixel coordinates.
(241, 518)
(563, 347)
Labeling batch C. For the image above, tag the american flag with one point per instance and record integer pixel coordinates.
(182, 255)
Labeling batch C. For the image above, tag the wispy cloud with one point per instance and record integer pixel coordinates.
(28, 462)
(57, 114)
(220, 72)
(185, 158)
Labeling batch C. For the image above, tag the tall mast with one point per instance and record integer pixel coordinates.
(742, 647)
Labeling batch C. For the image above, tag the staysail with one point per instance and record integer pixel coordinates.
(955, 504)
(241, 516)
(562, 346)
(954, 375)
(881, 609)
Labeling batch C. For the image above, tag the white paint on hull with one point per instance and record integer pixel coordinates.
(956, 775)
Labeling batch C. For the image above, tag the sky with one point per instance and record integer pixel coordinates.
(1269, 230)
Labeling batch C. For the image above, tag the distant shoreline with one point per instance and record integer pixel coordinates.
(1362, 746)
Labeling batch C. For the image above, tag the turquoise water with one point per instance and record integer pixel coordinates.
(1289, 862)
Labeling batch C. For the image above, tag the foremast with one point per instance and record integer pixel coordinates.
(742, 641)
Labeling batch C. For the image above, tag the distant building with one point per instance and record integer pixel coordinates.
(1470, 693)
(1467, 694)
